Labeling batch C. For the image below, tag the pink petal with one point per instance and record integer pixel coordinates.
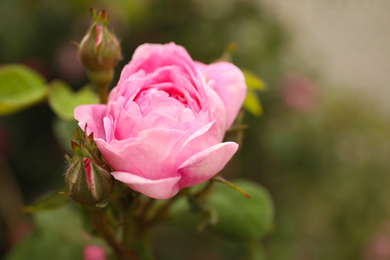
(151, 155)
(108, 128)
(92, 115)
(128, 85)
(218, 111)
(158, 189)
(125, 124)
(229, 83)
(155, 119)
(202, 139)
(204, 165)
(149, 57)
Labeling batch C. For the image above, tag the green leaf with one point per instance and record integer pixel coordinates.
(20, 87)
(253, 81)
(252, 103)
(63, 100)
(49, 201)
(242, 218)
(58, 235)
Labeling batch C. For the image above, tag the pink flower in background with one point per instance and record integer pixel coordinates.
(163, 126)
(93, 252)
(69, 66)
(299, 92)
(378, 248)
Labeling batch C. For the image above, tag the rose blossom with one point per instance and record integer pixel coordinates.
(164, 123)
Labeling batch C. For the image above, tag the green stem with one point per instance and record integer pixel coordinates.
(146, 207)
(102, 80)
(161, 212)
(236, 128)
(203, 192)
(231, 185)
(128, 228)
(103, 94)
(134, 232)
(130, 202)
(250, 249)
(106, 232)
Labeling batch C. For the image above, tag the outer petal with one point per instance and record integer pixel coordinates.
(158, 189)
(92, 115)
(204, 165)
(217, 110)
(229, 83)
(151, 155)
(202, 139)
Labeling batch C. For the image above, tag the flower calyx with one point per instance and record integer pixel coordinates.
(88, 177)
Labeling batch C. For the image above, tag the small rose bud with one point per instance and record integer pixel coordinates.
(99, 50)
(88, 182)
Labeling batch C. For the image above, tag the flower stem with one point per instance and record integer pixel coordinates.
(250, 249)
(231, 185)
(103, 94)
(102, 80)
(161, 211)
(107, 233)
(146, 207)
(203, 192)
(236, 128)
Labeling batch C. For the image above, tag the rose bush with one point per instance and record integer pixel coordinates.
(163, 126)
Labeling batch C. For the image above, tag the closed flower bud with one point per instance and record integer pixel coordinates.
(88, 182)
(99, 50)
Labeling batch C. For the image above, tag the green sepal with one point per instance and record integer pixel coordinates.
(78, 135)
(94, 192)
(76, 149)
(68, 159)
(90, 139)
(103, 184)
(76, 182)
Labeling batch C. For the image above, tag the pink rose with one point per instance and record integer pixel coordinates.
(163, 126)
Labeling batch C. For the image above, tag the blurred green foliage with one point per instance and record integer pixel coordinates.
(326, 169)
(20, 87)
(63, 101)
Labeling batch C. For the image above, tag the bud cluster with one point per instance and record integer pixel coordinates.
(88, 177)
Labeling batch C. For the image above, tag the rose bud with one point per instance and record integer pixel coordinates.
(99, 50)
(88, 183)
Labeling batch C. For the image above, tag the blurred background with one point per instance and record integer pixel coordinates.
(321, 146)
